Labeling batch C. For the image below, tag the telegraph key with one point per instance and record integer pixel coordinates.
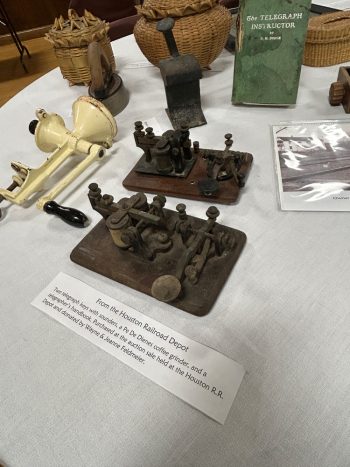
(195, 172)
(175, 258)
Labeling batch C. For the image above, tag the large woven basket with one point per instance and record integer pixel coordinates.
(71, 38)
(201, 28)
(328, 39)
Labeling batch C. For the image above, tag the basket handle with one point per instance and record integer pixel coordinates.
(338, 18)
(154, 13)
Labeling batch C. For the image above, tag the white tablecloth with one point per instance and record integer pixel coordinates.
(283, 314)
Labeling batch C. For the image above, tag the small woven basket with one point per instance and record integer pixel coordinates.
(201, 28)
(328, 39)
(71, 38)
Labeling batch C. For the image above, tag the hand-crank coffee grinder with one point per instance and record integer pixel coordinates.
(94, 130)
(181, 75)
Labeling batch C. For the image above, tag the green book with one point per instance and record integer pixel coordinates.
(269, 50)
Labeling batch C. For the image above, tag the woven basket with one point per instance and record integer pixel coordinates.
(328, 39)
(201, 28)
(71, 38)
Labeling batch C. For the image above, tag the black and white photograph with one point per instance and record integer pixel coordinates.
(313, 164)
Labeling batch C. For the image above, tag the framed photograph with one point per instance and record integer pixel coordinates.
(313, 165)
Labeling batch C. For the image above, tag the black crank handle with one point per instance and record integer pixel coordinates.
(69, 215)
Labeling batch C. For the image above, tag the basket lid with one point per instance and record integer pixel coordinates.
(330, 27)
(157, 9)
(76, 31)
